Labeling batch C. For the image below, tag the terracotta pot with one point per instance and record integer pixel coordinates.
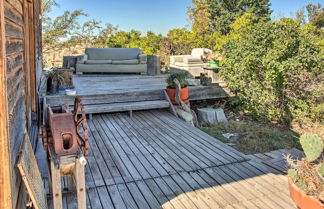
(301, 199)
(184, 95)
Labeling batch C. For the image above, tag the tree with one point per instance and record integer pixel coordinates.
(200, 16)
(179, 41)
(315, 15)
(300, 16)
(56, 33)
(218, 15)
(65, 31)
(225, 12)
(87, 33)
(237, 29)
(123, 39)
(104, 35)
(150, 44)
(47, 6)
(275, 69)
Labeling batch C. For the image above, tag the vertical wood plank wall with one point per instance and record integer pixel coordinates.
(14, 31)
(5, 183)
(22, 35)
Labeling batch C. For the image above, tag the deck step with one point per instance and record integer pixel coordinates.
(126, 106)
(105, 98)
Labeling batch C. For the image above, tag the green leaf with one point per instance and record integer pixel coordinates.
(312, 145)
(293, 174)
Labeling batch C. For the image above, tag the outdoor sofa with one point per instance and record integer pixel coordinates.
(192, 63)
(112, 60)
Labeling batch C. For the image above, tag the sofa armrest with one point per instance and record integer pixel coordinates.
(142, 58)
(82, 58)
(178, 58)
(192, 60)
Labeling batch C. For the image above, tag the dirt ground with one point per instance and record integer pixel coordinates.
(249, 135)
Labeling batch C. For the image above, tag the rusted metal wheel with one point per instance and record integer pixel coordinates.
(43, 135)
(80, 120)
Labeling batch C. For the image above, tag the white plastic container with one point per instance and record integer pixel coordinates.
(70, 92)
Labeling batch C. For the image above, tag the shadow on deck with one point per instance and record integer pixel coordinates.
(155, 160)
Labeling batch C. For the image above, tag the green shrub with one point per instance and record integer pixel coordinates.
(181, 78)
(276, 69)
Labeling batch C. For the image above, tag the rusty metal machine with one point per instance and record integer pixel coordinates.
(65, 138)
(66, 131)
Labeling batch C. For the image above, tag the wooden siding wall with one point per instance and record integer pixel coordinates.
(14, 31)
(22, 38)
(5, 186)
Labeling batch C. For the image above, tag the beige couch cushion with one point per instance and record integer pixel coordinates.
(98, 61)
(182, 64)
(110, 68)
(198, 52)
(191, 60)
(113, 53)
(125, 62)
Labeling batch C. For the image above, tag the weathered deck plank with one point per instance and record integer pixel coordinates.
(141, 139)
(198, 134)
(154, 160)
(180, 140)
(125, 141)
(150, 163)
(175, 144)
(157, 143)
(97, 159)
(200, 148)
(137, 195)
(109, 89)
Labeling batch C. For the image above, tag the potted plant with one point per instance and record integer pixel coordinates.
(171, 88)
(54, 78)
(306, 176)
(58, 80)
(213, 59)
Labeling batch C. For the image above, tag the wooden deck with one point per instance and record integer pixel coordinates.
(98, 89)
(154, 160)
(103, 84)
(277, 159)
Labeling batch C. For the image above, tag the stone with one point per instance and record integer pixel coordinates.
(207, 115)
(211, 116)
(229, 135)
(220, 115)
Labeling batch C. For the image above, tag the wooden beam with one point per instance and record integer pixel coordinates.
(32, 57)
(27, 62)
(5, 180)
(172, 109)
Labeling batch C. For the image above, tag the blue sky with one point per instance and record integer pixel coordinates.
(154, 15)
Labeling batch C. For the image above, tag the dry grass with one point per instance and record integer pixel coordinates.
(254, 134)
(252, 137)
